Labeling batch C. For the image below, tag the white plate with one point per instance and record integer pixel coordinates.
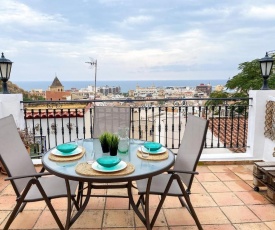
(121, 165)
(159, 151)
(58, 153)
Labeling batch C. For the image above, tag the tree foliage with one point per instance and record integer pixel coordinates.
(216, 94)
(249, 78)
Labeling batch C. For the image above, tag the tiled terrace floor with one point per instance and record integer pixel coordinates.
(222, 195)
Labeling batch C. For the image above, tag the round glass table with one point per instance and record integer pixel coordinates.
(143, 168)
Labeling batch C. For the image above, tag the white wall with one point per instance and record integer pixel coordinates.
(260, 146)
(10, 104)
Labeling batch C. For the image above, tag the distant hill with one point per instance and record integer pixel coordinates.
(13, 88)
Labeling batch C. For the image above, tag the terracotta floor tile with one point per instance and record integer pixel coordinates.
(213, 186)
(117, 203)
(160, 222)
(99, 191)
(207, 177)
(218, 168)
(238, 186)
(24, 220)
(178, 216)
(96, 203)
(46, 220)
(237, 168)
(197, 188)
(211, 215)
(227, 176)
(270, 224)
(252, 197)
(171, 202)
(7, 202)
(116, 228)
(154, 200)
(38, 168)
(239, 214)
(3, 184)
(250, 183)
(59, 204)
(264, 212)
(89, 219)
(218, 227)
(184, 228)
(155, 228)
(202, 200)
(203, 169)
(250, 167)
(8, 190)
(118, 218)
(245, 175)
(39, 205)
(118, 192)
(3, 216)
(251, 226)
(226, 199)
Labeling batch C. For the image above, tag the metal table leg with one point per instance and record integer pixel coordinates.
(71, 219)
(146, 217)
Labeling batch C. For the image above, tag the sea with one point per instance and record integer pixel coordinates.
(124, 85)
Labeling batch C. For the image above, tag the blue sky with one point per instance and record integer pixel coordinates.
(134, 40)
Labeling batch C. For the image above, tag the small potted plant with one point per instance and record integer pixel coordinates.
(27, 138)
(104, 141)
(113, 143)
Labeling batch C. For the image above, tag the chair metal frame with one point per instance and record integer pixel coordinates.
(172, 183)
(28, 185)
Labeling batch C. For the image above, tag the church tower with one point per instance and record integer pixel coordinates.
(56, 86)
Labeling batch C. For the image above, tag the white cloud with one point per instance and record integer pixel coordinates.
(261, 12)
(112, 2)
(133, 21)
(153, 40)
(219, 11)
(21, 14)
(137, 20)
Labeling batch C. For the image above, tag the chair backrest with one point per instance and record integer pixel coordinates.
(191, 148)
(13, 154)
(110, 119)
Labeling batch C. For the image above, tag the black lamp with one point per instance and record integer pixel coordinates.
(5, 70)
(266, 64)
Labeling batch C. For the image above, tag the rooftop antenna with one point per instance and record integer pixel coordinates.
(92, 63)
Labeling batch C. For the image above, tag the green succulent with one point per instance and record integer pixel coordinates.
(113, 141)
(104, 139)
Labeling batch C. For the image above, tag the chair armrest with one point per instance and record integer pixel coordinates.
(181, 171)
(25, 176)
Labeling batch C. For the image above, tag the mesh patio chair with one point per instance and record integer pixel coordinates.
(28, 185)
(110, 119)
(178, 181)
